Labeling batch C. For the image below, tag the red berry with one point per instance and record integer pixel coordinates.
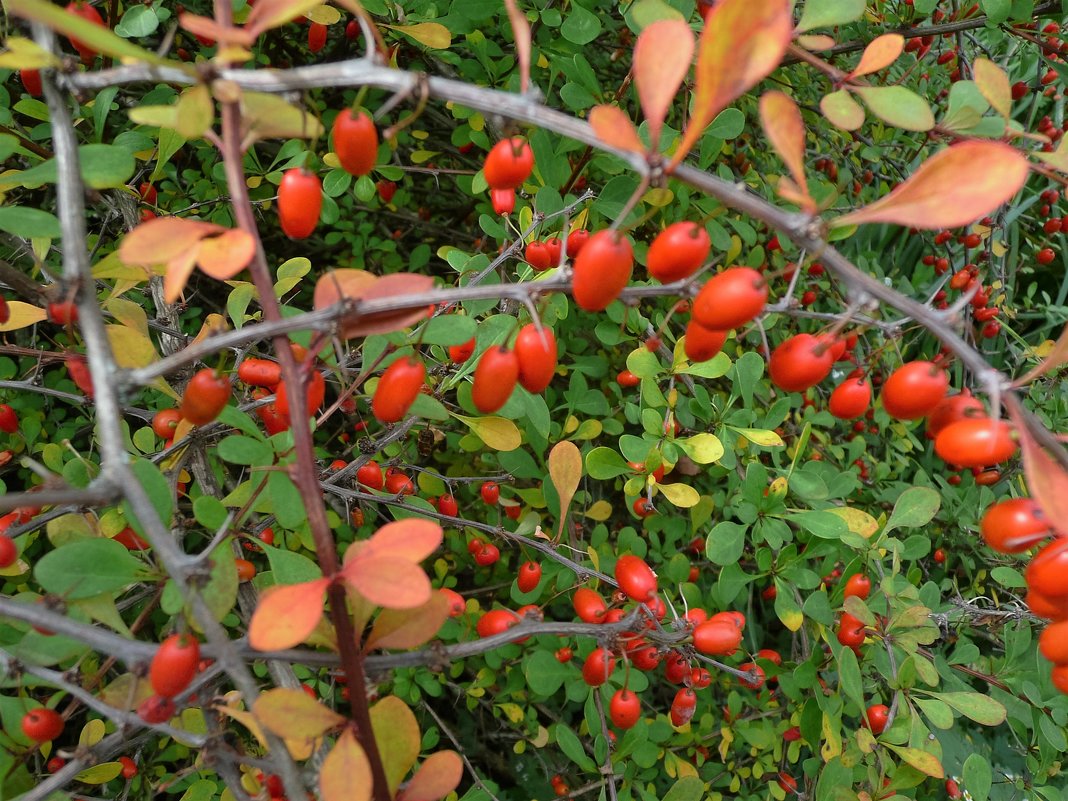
(495, 379)
(1014, 525)
(601, 270)
(490, 492)
(625, 709)
(503, 201)
(355, 141)
(1045, 256)
(636, 578)
(537, 355)
(300, 199)
(730, 299)
(598, 667)
(156, 709)
(317, 33)
(205, 396)
(914, 390)
(370, 475)
(447, 505)
(529, 576)
(802, 361)
(850, 399)
(42, 725)
(701, 343)
(876, 718)
(508, 164)
(458, 354)
(397, 389)
(678, 251)
(976, 442)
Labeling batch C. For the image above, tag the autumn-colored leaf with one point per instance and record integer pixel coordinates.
(783, 126)
(1046, 479)
(286, 615)
(359, 285)
(880, 53)
(227, 254)
(1057, 356)
(209, 29)
(993, 85)
(614, 128)
(521, 34)
(742, 42)
(413, 539)
(267, 14)
(409, 628)
(565, 470)
(438, 776)
(294, 714)
(662, 57)
(842, 110)
(346, 772)
(954, 187)
(160, 240)
(429, 34)
(398, 737)
(22, 315)
(389, 581)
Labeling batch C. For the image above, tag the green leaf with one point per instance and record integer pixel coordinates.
(702, 448)
(688, 788)
(291, 568)
(158, 490)
(572, 747)
(138, 21)
(842, 110)
(977, 777)
(448, 329)
(1008, 577)
(728, 124)
(605, 463)
(286, 501)
(580, 26)
(898, 106)
(715, 367)
(725, 542)
(102, 166)
(849, 678)
(238, 449)
(980, 708)
(27, 223)
(822, 524)
(826, 13)
(86, 568)
(786, 608)
(545, 675)
(937, 712)
(643, 363)
(997, 12)
(209, 511)
(915, 507)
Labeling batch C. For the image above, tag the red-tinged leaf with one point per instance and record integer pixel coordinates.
(614, 128)
(268, 14)
(880, 53)
(993, 84)
(359, 285)
(438, 776)
(394, 285)
(397, 733)
(409, 628)
(286, 615)
(521, 34)
(742, 42)
(1046, 479)
(791, 193)
(413, 539)
(346, 771)
(954, 187)
(783, 126)
(293, 714)
(160, 240)
(227, 254)
(662, 57)
(389, 581)
(210, 29)
(178, 271)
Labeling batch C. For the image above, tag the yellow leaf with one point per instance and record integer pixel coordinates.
(100, 774)
(324, 15)
(497, 432)
(681, 495)
(269, 117)
(129, 314)
(292, 713)
(429, 34)
(726, 738)
(346, 772)
(155, 116)
(761, 437)
(792, 618)
(22, 54)
(92, 733)
(514, 712)
(832, 743)
(195, 112)
(23, 315)
(858, 521)
(131, 348)
(590, 429)
(246, 719)
(600, 511)
(702, 448)
(659, 197)
(397, 733)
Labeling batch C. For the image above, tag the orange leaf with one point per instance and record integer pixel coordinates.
(286, 615)
(1046, 479)
(880, 53)
(521, 32)
(393, 285)
(346, 771)
(337, 285)
(783, 126)
(662, 58)
(614, 128)
(275, 13)
(742, 42)
(409, 628)
(565, 471)
(413, 539)
(210, 29)
(163, 239)
(954, 187)
(436, 778)
(178, 271)
(293, 714)
(397, 734)
(389, 581)
(227, 254)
